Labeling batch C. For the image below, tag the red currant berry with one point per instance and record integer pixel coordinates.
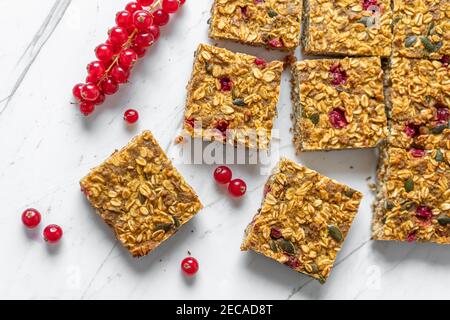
(181, 2)
(145, 3)
(237, 187)
(189, 266)
(118, 36)
(90, 92)
(154, 30)
(101, 98)
(131, 116)
(142, 20)
(87, 108)
(160, 18)
(76, 91)
(96, 69)
(91, 79)
(132, 7)
(110, 86)
(116, 48)
(104, 52)
(52, 233)
(143, 40)
(337, 118)
(31, 218)
(260, 62)
(140, 51)
(119, 74)
(127, 58)
(124, 19)
(222, 174)
(170, 6)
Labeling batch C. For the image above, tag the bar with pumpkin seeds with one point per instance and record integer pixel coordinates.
(232, 97)
(274, 24)
(140, 195)
(422, 29)
(338, 104)
(413, 196)
(347, 27)
(303, 220)
(419, 103)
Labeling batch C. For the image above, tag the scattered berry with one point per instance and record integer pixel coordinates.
(442, 114)
(160, 17)
(225, 84)
(87, 107)
(89, 92)
(292, 261)
(52, 233)
(189, 266)
(132, 7)
(142, 20)
(275, 233)
(222, 126)
(170, 6)
(412, 130)
(445, 60)
(237, 187)
(424, 212)
(260, 62)
(131, 116)
(31, 218)
(337, 118)
(339, 74)
(275, 43)
(119, 74)
(222, 174)
(127, 58)
(417, 153)
(190, 122)
(76, 91)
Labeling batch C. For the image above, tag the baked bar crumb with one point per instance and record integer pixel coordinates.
(140, 195)
(347, 27)
(232, 97)
(422, 28)
(271, 23)
(303, 220)
(338, 104)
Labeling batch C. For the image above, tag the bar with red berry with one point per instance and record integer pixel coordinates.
(303, 220)
(338, 104)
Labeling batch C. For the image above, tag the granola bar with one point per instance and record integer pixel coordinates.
(419, 103)
(140, 195)
(413, 199)
(303, 220)
(347, 27)
(270, 23)
(338, 104)
(422, 28)
(232, 97)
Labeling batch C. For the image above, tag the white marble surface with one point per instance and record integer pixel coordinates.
(47, 146)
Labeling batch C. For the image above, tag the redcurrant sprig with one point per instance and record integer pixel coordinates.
(136, 29)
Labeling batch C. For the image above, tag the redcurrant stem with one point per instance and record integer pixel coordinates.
(126, 45)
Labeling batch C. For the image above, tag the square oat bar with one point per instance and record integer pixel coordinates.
(338, 104)
(270, 23)
(422, 29)
(347, 27)
(232, 97)
(419, 103)
(140, 195)
(413, 199)
(303, 220)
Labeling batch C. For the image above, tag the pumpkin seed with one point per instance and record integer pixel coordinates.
(349, 192)
(321, 279)
(208, 21)
(335, 233)
(366, 21)
(272, 13)
(410, 41)
(314, 118)
(208, 68)
(408, 205)
(314, 267)
(439, 156)
(431, 28)
(443, 221)
(176, 221)
(439, 129)
(239, 102)
(162, 226)
(396, 19)
(430, 46)
(388, 205)
(409, 185)
(273, 246)
(286, 246)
